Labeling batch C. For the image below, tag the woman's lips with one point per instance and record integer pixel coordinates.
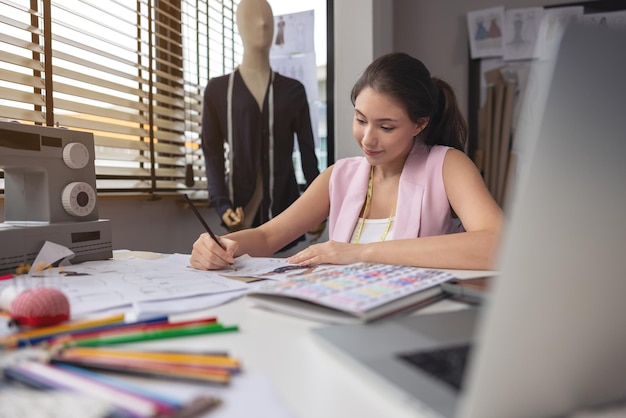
(371, 153)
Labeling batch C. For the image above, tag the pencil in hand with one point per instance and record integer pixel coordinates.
(206, 226)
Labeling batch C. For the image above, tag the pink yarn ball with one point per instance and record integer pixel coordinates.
(40, 307)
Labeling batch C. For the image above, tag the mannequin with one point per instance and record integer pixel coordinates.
(256, 112)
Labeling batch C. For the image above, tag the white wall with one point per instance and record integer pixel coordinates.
(362, 33)
(436, 33)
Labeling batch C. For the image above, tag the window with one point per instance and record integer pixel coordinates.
(286, 10)
(133, 73)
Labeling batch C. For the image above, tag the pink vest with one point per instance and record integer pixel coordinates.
(423, 208)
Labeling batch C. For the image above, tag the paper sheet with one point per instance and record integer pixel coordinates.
(51, 254)
(147, 285)
(151, 309)
(98, 285)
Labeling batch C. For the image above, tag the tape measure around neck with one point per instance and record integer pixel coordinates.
(229, 128)
(366, 209)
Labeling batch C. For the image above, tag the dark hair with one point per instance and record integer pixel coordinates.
(408, 80)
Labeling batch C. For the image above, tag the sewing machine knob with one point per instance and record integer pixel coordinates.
(75, 155)
(79, 198)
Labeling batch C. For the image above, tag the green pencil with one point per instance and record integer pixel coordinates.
(152, 335)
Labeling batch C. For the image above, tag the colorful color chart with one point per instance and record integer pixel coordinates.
(359, 287)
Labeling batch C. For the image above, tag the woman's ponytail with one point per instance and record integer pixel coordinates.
(447, 125)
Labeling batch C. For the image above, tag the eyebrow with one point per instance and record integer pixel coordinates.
(376, 120)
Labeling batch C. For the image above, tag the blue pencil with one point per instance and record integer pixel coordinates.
(45, 376)
(124, 386)
(128, 399)
(118, 325)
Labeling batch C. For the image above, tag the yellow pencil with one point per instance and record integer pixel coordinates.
(178, 358)
(66, 327)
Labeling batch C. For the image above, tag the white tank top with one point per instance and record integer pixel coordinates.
(373, 229)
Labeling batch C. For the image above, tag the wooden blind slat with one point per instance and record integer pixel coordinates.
(103, 76)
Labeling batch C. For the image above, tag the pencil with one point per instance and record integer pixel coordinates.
(181, 408)
(126, 398)
(163, 402)
(152, 335)
(25, 337)
(52, 377)
(206, 226)
(181, 372)
(129, 328)
(89, 328)
(151, 357)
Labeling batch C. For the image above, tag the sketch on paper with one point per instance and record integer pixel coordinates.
(98, 285)
(293, 33)
(485, 32)
(280, 31)
(292, 55)
(612, 20)
(521, 27)
(553, 24)
(126, 282)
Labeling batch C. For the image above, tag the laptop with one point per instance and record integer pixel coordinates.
(551, 339)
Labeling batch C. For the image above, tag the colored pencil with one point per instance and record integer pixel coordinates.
(151, 357)
(128, 399)
(38, 336)
(208, 352)
(164, 319)
(72, 326)
(53, 377)
(164, 403)
(11, 374)
(153, 335)
(191, 409)
(61, 328)
(161, 371)
(120, 330)
(50, 338)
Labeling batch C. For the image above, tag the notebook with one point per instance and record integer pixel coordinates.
(550, 340)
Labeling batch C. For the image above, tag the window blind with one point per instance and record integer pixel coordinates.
(131, 72)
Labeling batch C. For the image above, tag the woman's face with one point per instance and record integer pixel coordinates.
(382, 127)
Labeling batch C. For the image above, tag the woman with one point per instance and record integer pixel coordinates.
(400, 203)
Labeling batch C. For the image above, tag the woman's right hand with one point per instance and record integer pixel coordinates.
(208, 255)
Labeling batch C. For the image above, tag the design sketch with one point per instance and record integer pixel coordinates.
(613, 20)
(104, 284)
(521, 28)
(485, 32)
(553, 24)
(294, 34)
(280, 31)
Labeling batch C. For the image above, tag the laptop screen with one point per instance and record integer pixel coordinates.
(551, 339)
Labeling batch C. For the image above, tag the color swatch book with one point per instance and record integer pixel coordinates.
(353, 293)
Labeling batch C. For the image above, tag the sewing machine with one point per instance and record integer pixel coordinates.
(49, 195)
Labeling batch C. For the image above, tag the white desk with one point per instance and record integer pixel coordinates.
(311, 380)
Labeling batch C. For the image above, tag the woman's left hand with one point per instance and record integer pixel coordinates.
(330, 252)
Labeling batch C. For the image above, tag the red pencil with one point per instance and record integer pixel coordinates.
(127, 329)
